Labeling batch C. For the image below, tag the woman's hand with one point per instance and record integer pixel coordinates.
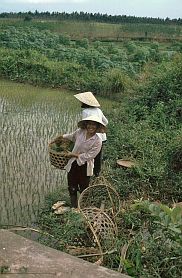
(70, 154)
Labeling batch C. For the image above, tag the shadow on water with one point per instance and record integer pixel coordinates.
(30, 117)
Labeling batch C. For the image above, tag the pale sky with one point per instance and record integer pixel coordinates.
(143, 8)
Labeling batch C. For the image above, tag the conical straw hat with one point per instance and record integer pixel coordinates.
(87, 98)
(102, 128)
(126, 163)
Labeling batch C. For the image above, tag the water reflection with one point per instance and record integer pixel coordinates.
(29, 119)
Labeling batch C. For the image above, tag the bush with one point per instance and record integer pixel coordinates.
(116, 81)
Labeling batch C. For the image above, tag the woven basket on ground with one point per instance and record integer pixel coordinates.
(100, 195)
(100, 237)
(57, 153)
(103, 229)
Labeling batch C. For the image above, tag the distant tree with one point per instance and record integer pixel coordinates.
(94, 17)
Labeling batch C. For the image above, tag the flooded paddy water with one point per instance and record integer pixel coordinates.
(30, 118)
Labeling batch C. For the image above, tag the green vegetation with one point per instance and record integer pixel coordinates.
(97, 26)
(144, 125)
(150, 133)
(103, 31)
(44, 58)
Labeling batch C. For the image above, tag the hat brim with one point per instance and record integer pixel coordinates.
(83, 125)
(87, 98)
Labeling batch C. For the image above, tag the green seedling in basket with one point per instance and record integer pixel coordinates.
(62, 147)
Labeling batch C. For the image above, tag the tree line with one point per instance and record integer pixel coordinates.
(84, 16)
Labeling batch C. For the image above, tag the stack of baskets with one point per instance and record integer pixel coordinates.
(100, 204)
(57, 153)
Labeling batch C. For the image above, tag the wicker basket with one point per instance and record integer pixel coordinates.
(58, 158)
(100, 194)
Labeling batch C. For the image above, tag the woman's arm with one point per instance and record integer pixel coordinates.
(70, 154)
(91, 153)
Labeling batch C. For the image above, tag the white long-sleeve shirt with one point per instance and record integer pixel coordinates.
(95, 111)
(86, 148)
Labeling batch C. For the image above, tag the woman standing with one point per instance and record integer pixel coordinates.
(81, 163)
(90, 107)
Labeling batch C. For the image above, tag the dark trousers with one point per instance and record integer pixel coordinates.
(77, 181)
(98, 161)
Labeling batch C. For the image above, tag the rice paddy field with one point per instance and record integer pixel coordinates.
(30, 117)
